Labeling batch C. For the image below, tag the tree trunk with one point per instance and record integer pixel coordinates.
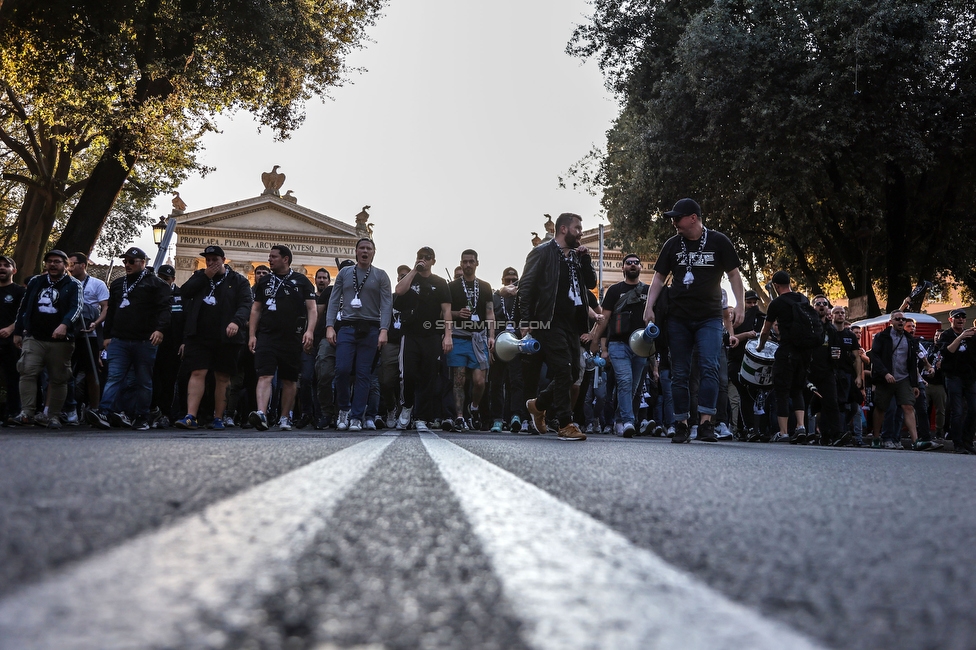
(96, 201)
(34, 224)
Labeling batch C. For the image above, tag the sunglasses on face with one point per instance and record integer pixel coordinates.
(819, 304)
(632, 263)
(129, 261)
(897, 320)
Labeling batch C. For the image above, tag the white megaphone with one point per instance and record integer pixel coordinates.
(507, 346)
(642, 340)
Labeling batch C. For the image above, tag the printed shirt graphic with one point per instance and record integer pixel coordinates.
(702, 299)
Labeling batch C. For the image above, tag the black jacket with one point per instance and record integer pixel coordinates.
(148, 310)
(882, 349)
(540, 280)
(233, 300)
(68, 305)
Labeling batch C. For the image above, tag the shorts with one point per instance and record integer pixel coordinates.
(900, 390)
(464, 355)
(273, 353)
(206, 354)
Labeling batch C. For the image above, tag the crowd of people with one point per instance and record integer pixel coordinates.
(364, 352)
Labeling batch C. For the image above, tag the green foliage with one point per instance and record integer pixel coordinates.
(821, 136)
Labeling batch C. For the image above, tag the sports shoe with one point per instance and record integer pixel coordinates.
(923, 445)
(538, 417)
(876, 443)
(404, 420)
(723, 432)
(421, 426)
(694, 432)
(71, 418)
(355, 425)
(608, 429)
(753, 436)
(496, 426)
(119, 420)
(658, 432)
(781, 437)
(571, 432)
(229, 422)
(706, 431)
(369, 424)
(890, 444)
(647, 427)
(460, 425)
(843, 439)
(97, 419)
(589, 428)
(284, 423)
(475, 418)
(391, 419)
(343, 422)
(669, 432)
(54, 422)
(21, 420)
(187, 422)
(303, 421)
(41, 419)
(629, 430)
(322, 423)
(258, 420)
(680, 433)
(218, 424)
(162, 423)
(141, 423)
(799, 436)
(516, 424)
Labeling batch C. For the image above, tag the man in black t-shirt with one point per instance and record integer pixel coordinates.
(424, 301)
(696, 258)
(623, 310)
(11, 294)
(959, 366)
(505, 377)
(281, 325)
(848, 371)
(790, 364)
(752, 323)
(325, 358)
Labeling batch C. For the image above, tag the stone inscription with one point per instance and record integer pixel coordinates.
(313, 249)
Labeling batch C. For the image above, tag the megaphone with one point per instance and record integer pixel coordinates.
(507, 346)
(642, 341)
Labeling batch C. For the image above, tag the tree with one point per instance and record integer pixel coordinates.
(826, 137)
(142, 80)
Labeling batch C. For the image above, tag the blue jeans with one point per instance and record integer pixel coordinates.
(132, 361)
(683, 338)
(627, 367)
(354, 362)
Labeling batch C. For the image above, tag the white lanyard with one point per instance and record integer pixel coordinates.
(210, 300)
(126, 289)
(274, 283)
(472, 297)
(689, 276)
(356, 303)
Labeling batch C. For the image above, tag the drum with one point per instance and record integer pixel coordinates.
(757, 367)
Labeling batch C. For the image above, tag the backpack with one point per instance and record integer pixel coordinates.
(620, 325)
(89, 311)
(807, 331)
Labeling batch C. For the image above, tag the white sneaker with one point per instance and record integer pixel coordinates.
(420, 426)
(356, 425)
(369, 424)
(722, 432)
(618, 428)
(71, 419)
(670, 432)
(781, 437)
(694, 432)
(229, 421)
(284, 423)
(391, 419)
(404, 420)
(343, 422)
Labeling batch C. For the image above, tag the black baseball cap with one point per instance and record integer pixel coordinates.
(167, 270)
(750, 295)
(781, 278)
(683, 208)
(344, 263)
(134, 253)
(957, 313)
(213, 250)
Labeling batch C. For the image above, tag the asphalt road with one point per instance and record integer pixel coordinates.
(309, 540)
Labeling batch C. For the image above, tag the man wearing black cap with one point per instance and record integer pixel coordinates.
(959, 368)
(217, 302)
(740, 391)
(792, 358)
(45, 332)
(167, 364)
(696, 258)
(11, 294)
(282, 323)
(138, 315)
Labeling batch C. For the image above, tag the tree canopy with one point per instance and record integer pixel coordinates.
(92, 90)
(834, 138)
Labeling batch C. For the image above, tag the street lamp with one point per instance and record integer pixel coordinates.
(159, 230)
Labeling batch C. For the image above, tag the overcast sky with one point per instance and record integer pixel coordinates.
(455, 134)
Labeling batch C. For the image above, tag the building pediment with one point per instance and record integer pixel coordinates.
(263, 213)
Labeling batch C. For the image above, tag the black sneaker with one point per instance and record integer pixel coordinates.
(303, 422)
(154, 416)
(680, 432)
(447, 424)
(475, 419)
(258, 420)
(97, 419)
(119, 420)
(843, 440)
(799, 436)
(141, 423)
(706, 431)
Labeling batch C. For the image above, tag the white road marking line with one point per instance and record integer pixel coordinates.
(578, 583)
(151, 590)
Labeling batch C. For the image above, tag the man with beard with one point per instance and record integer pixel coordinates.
(11, 294)
(553, 308)
(623, 306)
(282, 324)
(894, 370)
(696, 258)
(217, 301)
(358, 329)
(139, 313)
(470, 300)
(45, 333)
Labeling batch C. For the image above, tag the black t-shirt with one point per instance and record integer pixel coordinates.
(752, 321)
(10, 297)
(962, 362)
(283, 297)
(463, 293)
(632, 316)
(565, 307)
(849, 346)
(781, 313)
(710, 260)
(424, 306)
(208, 318)
(322, 300)
(46, 313)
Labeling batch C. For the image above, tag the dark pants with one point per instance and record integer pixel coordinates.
(421, 365)
(9, 354)
(829, 419)
(962, 406)
(165, 370)
(505, 389)
(560, 351)
(789, 379)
